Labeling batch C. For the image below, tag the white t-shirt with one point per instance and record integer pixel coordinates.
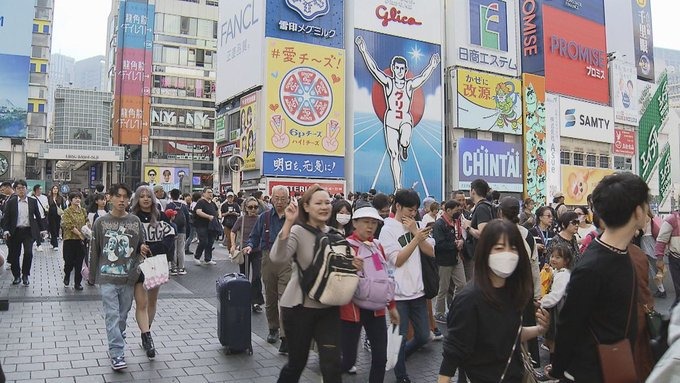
(427, 219)
(42, 205)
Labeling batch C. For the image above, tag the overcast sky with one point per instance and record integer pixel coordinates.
(80, 26)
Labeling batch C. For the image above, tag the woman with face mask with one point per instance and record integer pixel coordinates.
(485, 319)
(341, 217)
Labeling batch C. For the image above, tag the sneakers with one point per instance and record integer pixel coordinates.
(437, 334)
(273, 336)
(67, 280)
(367, 345)
(57, 249)
(39, 248)
(147, 344)
(283, 349)
(78, 287)
(197, 262)
(210, 262)
(182, 271)
(352, 370)
(173, 271)
(440, 318)
(118, 363)
(257, 308)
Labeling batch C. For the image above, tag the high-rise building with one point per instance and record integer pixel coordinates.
(669, 60)
(160, 65)
(90, 73)
(62, 70)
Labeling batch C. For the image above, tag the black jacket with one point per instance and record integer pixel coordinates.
(445, 250)
(11, 213)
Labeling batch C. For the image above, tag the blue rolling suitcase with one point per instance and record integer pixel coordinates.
(233, 313)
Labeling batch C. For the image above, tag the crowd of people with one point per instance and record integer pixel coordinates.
(511, 276)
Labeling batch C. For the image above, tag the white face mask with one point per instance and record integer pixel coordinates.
(503, 264)
(343, 219)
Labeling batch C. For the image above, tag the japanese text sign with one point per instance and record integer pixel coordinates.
(624, 142)
(318, 22)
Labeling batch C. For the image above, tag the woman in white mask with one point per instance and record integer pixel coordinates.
(485, 319)
(341, 217)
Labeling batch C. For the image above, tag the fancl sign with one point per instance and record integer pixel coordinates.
(239, 22)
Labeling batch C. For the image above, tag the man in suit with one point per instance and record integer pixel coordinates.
(22, 225)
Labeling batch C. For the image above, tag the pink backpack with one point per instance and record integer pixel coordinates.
(376, 287)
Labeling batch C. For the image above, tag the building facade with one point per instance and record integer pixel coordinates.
(90, 73)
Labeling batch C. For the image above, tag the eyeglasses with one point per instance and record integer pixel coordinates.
(251, 207)
(282, 199)
(574, 222)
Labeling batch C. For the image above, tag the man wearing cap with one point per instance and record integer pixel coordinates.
(230, 213)
(558, 204)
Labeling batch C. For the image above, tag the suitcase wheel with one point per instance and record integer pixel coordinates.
(227, 351)
(250, 351)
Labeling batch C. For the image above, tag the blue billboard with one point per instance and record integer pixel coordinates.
(318, 22)
(533, 48)
(303, 165)
(499, 163)
(589, 9)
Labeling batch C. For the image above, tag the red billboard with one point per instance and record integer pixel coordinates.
(575, 56)
(624, 142)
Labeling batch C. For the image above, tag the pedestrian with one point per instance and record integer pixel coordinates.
(230, 212)
(22, 226)
(161, 197)
(57, 204)
(668, 240)
(275, 276)
(354, 318)
(341, 217)
(191, 231)
(116, 249)
(558, 205)
(568, 223)
(74, 249)
(543, 233)
(404, 242)
(527, 217)
(381, 203)
(482, 213)
(97, 208)
(585, 225)
(204, 212)
(241, 230)
(601, 294)
(485, 320)
(432, 214)
(43, 203)
(648, 244)
(181, 222)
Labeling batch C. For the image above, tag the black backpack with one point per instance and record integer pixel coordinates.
(180, 218)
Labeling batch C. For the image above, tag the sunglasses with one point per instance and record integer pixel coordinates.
(251, 207)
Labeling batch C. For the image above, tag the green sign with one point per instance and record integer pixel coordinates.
(651, 122)
(665, 173)
(220, 133)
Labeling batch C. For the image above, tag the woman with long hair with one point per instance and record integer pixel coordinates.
(56, 202)
(98, 207)
(73, 220)
(485, 319)
(243, 226)
(341, 217)
(160, 237)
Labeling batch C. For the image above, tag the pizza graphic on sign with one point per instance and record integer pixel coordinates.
(306, 96)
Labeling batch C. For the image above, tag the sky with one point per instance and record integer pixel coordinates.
(80, 26)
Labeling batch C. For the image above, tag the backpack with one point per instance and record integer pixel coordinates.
(331, 278)
(376, 287)
(180, 218)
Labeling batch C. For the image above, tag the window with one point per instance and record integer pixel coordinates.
(470, 133)
(498, 137)
(591, 160)
(205, 28)
(622, 163)
(46, 29)
(41, 108)
(604, 162)
(33, 68)
(578, 159)
(184, 25)
(565, 158)
(35, 28)
(171, 24)
(30, 108)
(43, 68)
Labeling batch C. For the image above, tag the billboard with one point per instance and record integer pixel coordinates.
(412, 19)
(249, 128)
(299, 165)
(578, 182)
(592, 10)
(132, 91)
(643, 39)
(651, 122)
(398, 114)
(485, 35)
(297, 186)
(168, 177)
(586, 121)
(16, 31)
(552, 144)
(624, 93)
(499, 163)
(665, 173)
(318, 22)
(240, 35)
(533, 52)
(188, 150)
(489, 102)
(575, 56)
(535, 154)
(220, 131)
(624, 142)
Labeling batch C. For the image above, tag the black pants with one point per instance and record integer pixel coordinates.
(376, 332)
(22, 237)
(303, 324)
(206, 239)
(255, 261)
(674, 267)
(55, 224)
(74, 254)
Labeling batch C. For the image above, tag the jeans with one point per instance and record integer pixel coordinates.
(178, 259)
(415, 312)
(376, 332)
(448, 274)
(275, 277)
(303, 324)
(674, 266)
(22, 237)
(74, 254)
(117, 300)
(206, 239)
(255, 264)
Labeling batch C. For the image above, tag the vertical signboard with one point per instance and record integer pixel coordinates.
(240, 36)
(532, 48)
(643, 39)
(651, 122)
(16, 31)
(318, 22)
(249, 128)
(499, 163)
(484, 35)
(624, 142)
(132, 93)
(220, 131)
(552, 110)
(398, 97)
(489, 102)
(664, 173)
(535, 161)
(624, 93)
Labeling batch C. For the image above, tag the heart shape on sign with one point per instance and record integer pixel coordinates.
(273, 107)
(336, 79)
(275, 74)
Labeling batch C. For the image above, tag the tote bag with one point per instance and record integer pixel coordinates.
(156, 271)
(393, 345)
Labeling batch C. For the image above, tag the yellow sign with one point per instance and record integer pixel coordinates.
(305, 99)
(248, 138)
(578, 182)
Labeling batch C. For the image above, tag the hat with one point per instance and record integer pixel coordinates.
(157, 188)
(366, 212)
(558, 195)
(230, 194)
(509, 206)
(170, 213)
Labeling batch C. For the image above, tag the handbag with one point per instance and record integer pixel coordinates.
(215, 226)
(85, 272)
(430, 272)
(393, 345)
(156, 271)
(657, 326)
(60, 211)
(237, 257)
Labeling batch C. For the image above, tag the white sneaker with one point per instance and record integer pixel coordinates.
(210, 262)
(55, 248)
(352, 370)
(39, 248)
(197, 262)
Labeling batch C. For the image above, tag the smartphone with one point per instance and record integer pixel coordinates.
(430, 224)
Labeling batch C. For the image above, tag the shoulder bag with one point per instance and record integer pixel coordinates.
(237, 257)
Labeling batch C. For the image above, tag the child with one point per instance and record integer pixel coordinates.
(560, 260)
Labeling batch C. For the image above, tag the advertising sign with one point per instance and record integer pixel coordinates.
(552, 144)
(412, 19)
(643, 39)
(575, 56)
(535, 155)
(132, 91)
(489, 102)
(651, 122)
(225, 150)
(592, 10)
(297, 165)
(586, 121)
(665, 173)
(624, 93)
(249, 128)
(181, 118)
(220, 131)
(16, 31)
(296, 186)
(624, 142)
(169, 178)
(305, 99)
(187, 150)
(531, 16)
(318, 22)
(578, 182)
(485, 35)
(398, 114)
(499, 163)
(240, 35)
